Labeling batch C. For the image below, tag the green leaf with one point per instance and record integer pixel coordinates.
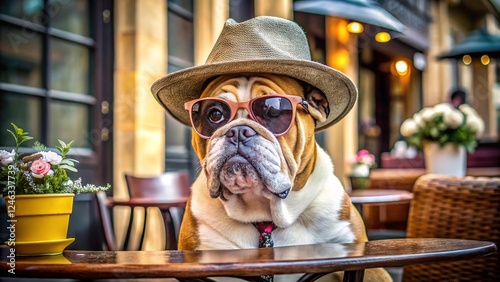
(63, 145)
(70, 144)
(20, 136)
(69, 161)
(39, 146)
(64, 148)
(70, 168)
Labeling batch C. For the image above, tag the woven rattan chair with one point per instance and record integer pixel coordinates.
(461, 208)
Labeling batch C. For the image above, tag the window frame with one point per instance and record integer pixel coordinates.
(44, 92)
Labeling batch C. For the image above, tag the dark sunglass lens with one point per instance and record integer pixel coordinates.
(209, 115)
(274, 113)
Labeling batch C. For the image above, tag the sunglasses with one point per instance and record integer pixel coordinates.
(275, 112)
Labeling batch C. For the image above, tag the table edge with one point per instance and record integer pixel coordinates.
(255, 268)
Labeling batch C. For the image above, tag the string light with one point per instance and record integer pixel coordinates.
(485, 60)
(401, 67)
(467, 59)
(382, 37)
(355, 27)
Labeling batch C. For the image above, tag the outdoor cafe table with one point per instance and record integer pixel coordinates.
(313, 260)
(380, 197)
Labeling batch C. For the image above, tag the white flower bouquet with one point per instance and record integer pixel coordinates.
(444, 124)
(43, 172)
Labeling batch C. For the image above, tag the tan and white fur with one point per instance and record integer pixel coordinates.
(247, 181)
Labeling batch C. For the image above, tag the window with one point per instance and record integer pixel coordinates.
(178, 152)
(56, 70)
(46, 55)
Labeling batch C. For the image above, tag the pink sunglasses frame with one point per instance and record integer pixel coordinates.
(247, 105)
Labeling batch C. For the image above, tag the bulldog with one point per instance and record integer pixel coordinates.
(249, 175)
(254, 107)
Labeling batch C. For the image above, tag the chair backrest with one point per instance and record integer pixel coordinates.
(169, 185)
(461, 208)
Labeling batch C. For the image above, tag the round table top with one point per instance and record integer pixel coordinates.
(312, 259)
(379, 196)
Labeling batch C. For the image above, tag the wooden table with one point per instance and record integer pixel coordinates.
(314, 260)
(381, 198)
(163, 204)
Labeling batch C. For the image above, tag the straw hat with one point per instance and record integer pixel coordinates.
(259, 45)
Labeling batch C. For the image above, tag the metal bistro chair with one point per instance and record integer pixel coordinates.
(461, 208)
(167, 186)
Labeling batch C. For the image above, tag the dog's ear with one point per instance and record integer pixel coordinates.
(318, 103)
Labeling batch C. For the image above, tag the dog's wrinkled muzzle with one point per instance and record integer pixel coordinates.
(246, 159)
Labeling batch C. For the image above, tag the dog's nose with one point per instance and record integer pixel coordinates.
(240, 133)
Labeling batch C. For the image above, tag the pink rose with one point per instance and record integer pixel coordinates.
(40, 168)
(363, 153)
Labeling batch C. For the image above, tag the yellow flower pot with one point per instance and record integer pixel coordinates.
(39, 223)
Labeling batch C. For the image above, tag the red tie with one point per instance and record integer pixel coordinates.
(265, 240)
(265, 229)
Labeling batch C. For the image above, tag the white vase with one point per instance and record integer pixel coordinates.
(451, 159)
(360, 170)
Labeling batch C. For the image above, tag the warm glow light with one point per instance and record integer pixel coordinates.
(485, 60)
(339, 30)
(382, 37)
(339, 59)
(467, 59)
(355, 27)
(401, 67)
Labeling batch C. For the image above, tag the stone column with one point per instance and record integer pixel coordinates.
(276, 8)
(209, 19)
(482, 98)
(139, 121)
(341, 53)
(436, 80)
(140, 59)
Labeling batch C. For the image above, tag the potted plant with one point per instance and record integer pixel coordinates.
(39, 195)
(362, 163)
(444, 133)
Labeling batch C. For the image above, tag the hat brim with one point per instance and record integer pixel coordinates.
(173, 90)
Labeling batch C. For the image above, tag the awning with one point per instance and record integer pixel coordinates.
(364, 11)
(477, 44)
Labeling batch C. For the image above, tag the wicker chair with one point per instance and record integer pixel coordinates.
(461, 208)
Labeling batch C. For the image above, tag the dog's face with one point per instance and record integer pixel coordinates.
(248, 168)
